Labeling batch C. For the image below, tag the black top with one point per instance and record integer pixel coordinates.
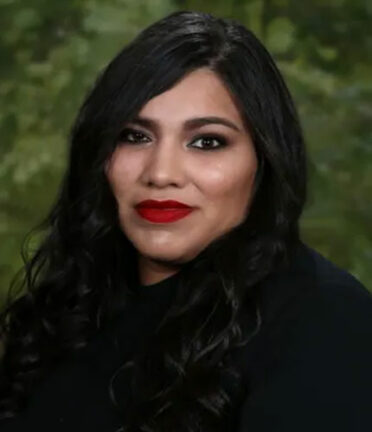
(309, 368)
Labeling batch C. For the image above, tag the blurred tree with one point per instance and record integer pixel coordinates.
(51, 52)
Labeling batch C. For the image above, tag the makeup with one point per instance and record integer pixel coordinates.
(163, 211)
(163, 215)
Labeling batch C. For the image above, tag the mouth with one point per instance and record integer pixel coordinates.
(164, 204)
(166, 215)
(163, 211)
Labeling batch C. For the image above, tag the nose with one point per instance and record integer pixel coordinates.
(163, 166)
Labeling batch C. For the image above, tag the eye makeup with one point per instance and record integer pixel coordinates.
(134, 136)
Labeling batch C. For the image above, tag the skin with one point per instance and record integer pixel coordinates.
(166, 160)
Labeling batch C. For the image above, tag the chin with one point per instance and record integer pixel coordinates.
(165, 254)
(166, 257)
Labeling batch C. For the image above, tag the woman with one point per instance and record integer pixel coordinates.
(172, 291)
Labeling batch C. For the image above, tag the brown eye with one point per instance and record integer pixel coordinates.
(132, 136)
(210, 142)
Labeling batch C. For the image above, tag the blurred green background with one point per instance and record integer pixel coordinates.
(51, 52)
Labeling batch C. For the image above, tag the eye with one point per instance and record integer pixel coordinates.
(132, 136)
(210, 142)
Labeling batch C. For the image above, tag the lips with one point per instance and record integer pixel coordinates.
(169, 204)
(162, 211)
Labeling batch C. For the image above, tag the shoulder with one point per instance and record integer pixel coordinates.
(335, 302)
(318, 290)
(311, 365)
(320, 308)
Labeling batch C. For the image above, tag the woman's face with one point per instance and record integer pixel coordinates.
(188, 144)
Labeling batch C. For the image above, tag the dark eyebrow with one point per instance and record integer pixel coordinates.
(192, 123)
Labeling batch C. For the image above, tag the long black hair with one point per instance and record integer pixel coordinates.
(85, 258)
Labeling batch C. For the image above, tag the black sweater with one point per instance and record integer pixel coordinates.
(309, 368)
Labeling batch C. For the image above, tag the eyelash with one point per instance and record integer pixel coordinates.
(222, 141)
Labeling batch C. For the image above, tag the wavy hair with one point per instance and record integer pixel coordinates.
(70, 282)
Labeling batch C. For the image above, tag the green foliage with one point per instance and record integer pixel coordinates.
(52, 51)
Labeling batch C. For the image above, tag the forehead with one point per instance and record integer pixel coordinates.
(199, 93)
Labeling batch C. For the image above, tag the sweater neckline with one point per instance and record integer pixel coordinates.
(158, 290)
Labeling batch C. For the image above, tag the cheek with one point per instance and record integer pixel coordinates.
(229, 182)
(121, 172)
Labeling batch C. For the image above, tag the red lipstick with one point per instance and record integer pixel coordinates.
(162, 211)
